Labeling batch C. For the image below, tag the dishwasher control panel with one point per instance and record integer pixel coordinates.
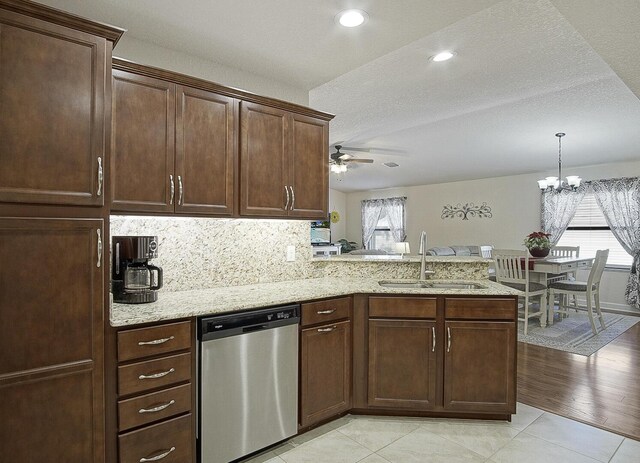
(247, 321)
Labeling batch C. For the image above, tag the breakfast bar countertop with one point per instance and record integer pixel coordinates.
(194, 303)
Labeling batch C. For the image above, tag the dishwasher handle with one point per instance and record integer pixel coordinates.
(251, 329)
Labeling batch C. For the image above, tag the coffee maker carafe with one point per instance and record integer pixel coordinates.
(132, 276)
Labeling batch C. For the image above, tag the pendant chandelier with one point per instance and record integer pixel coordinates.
(556, 183)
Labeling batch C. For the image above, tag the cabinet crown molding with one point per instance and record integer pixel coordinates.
(62, 18)
(183, 79)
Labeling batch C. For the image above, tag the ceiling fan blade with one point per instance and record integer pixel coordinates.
(362, 161)
(374, 149)
(345, 156)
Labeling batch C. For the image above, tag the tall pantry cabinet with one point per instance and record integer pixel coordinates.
(55, 98)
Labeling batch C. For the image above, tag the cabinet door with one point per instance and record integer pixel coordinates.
(325, 372)
(264, 157)
(143, 144)
(205, 152)
(309, 167)
(402, 364)
(51, 340)
(479, 366)
(52, 114)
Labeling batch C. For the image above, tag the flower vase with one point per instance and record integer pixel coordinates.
(539, 252)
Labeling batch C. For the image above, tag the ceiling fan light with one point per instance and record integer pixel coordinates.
(352, 18)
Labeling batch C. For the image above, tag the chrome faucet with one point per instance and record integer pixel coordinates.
(423, 258)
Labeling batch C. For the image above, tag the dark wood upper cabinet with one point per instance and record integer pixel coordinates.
(480, 366)
(143, 144)
(402, 364)
(52, 112)
(51, 340)
(264, 160)
(205, 152)
(309, 167)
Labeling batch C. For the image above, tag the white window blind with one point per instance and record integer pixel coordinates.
(589, 230)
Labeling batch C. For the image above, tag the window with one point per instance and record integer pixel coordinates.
(589, 230)
(382, 238)
(383, 223)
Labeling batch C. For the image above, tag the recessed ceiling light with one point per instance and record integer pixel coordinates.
(442, 56)
(352, 18)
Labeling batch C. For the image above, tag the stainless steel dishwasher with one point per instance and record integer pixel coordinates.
(248, 382)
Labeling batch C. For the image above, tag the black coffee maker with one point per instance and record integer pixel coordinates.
(132, 276)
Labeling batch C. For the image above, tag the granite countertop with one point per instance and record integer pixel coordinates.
(182, 304)
(406, 258)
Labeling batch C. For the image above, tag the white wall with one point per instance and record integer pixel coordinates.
(147, 53)
(515, 205)
(338, 202)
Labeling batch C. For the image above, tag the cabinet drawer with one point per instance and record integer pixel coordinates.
(153, 407)
(469, 308)
(326, 311)
(173, 438)
(145, 342)
(151, 374)
(402, 307)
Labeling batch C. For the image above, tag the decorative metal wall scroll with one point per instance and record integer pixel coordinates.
(466, 211)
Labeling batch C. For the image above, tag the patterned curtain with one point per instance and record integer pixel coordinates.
(558, 208)
(371, 212)
(619, 200)
(394, 209)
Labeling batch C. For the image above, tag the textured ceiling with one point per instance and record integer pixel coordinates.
(524, 70)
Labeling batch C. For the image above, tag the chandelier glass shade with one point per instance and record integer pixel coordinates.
(557, 183)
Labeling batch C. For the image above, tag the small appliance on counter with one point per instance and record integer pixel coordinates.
(132, 276)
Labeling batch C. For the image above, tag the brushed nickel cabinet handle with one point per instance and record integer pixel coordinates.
(286, 190)
(100, 176)
(327, 330)
(323, 312)
(155, 342)
(181, 191)
(433, 339)
(448, 339)
(99, 233)
(157, 375)
(157, 457)
(293, 199)
(173, 189)
(159, 408)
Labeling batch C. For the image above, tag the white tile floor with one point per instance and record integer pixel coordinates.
(533, 436)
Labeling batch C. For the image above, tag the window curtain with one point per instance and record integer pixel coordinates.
(371, 212)
(619, 200)
(375, 209)
(558, 208)
(394, 209)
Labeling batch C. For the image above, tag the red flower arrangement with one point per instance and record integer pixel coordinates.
(537, 240)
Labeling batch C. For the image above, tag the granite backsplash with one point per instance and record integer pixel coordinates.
(198, 253)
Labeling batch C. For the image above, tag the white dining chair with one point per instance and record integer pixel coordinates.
(590, 289)
(564, 251)
(485, 251)
(512, 270)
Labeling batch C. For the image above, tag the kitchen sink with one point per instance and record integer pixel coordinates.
(410, 284)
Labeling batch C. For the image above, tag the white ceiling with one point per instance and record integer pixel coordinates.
(524, 70)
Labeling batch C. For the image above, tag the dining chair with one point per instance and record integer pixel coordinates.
(512, 270)
(590, 289)
(485, 251)
(564, 251)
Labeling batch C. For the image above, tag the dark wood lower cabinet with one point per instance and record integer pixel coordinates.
(325, 376)
(402, 364)
(51, 343)
(480, 367)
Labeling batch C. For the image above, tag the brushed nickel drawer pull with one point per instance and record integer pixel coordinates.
(157, 375)
(433, 339)
(293, 199)
(286, 190)
(159, 408)
(100, 177)
(327, 330)
(155, 342)
(157, 457)
(181, 190)
(324, 312)
(448, 339)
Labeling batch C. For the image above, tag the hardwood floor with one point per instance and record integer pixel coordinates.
(602, 390)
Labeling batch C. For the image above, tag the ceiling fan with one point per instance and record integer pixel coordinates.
(339, 161)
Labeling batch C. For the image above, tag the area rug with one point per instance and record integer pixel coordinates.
(573, 334)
